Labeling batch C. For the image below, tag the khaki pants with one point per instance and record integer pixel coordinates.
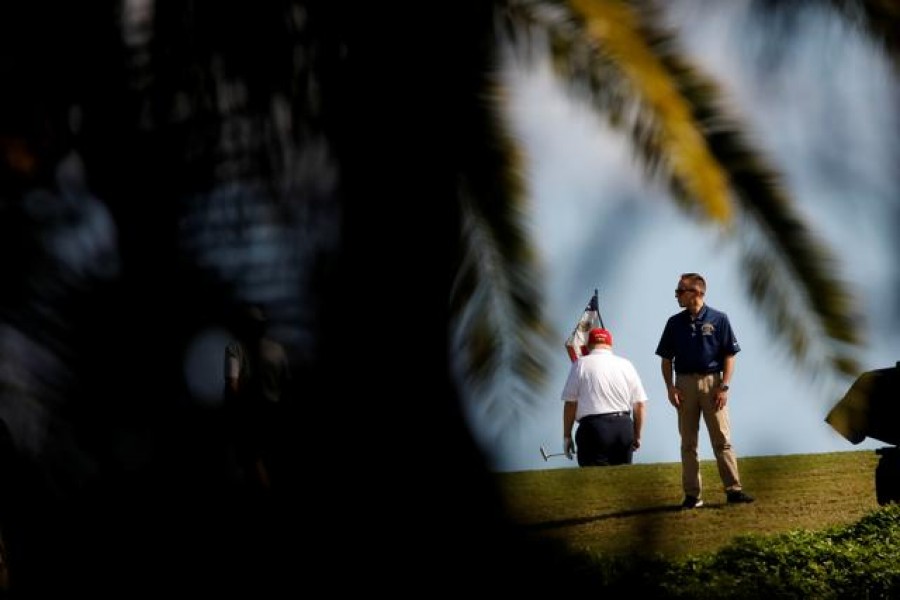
(697, 397)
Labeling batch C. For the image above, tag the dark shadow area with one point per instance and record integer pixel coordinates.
(157, 169)
(624, 514)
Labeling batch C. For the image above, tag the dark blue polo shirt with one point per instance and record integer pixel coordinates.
(698, 346)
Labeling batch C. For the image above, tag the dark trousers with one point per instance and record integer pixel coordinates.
(604, 440)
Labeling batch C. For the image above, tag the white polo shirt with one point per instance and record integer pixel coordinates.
(602, 382)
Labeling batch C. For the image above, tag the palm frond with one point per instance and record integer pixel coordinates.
(630, 71)
(878, 20)
(603, 55)
(496, 301)
(794, 280)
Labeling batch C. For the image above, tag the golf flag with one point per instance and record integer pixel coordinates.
(576, 345)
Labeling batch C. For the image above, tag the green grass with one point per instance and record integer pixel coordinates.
(633, 510)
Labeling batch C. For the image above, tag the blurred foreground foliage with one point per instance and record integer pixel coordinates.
(852, 561)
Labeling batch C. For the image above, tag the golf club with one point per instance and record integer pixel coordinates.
(546, 456)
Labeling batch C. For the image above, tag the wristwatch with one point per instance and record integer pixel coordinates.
(724, 387)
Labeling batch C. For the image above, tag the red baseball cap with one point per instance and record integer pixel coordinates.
(600, 336)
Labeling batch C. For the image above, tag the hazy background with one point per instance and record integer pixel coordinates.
(816, 97)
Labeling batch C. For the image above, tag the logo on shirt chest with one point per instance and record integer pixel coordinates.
(707, 329)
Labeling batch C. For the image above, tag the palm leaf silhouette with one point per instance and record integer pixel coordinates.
(617, 59)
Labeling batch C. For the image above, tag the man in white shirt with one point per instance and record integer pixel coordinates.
(605, 396)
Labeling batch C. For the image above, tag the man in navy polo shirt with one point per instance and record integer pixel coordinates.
(699, 347)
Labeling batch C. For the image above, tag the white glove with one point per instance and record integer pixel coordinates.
(568, 447)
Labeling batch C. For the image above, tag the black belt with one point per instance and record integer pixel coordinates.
(698, 373)
(606, 415)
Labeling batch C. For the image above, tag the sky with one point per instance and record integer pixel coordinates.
(819, 105)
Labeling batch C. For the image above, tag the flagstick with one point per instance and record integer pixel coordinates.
(599, 315)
